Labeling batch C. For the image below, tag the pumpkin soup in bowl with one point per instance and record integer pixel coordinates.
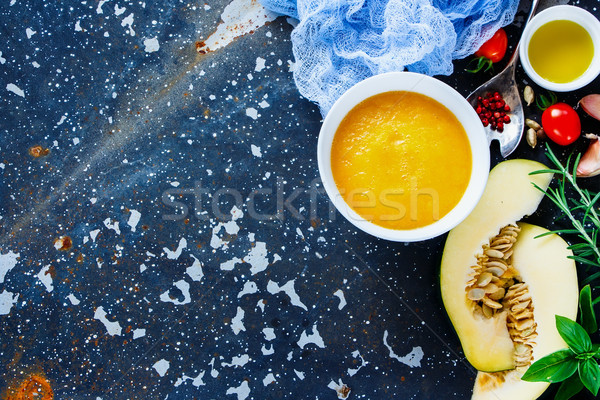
(403, 156)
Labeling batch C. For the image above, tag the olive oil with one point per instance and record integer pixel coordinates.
(560, 51)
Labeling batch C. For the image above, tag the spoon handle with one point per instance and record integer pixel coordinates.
(515, 55)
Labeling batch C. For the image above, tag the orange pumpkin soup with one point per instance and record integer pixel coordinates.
(401, 160)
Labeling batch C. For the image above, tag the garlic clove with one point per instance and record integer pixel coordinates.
(591, 105)
(589, 164)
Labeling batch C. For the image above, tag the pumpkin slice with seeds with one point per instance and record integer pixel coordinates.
(487, 297)
(546, 285)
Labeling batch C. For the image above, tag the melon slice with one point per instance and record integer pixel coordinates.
(552, 284)
(509, 196)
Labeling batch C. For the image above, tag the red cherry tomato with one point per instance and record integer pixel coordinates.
(495, 48)
(561, 123)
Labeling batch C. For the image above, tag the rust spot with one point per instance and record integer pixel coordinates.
(63, 243)
(79, 258)
(33, 387)
(38, 151)
(344, 391)
(199, 47)
(402, 378)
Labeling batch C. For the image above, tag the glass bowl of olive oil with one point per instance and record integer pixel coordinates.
(560, 48)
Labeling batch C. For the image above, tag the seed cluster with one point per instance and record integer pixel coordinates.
(492, 110)
(495, 287)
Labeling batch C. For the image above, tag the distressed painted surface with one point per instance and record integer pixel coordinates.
(162, 230)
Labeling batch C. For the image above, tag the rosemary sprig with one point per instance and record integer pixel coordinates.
(582, 211)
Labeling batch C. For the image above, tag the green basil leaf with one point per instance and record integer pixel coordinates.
(569, 388)
(589, 372)
(555, 367)
(586, 310)
(573, 334)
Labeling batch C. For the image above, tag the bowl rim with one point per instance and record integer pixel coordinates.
(444, 94)
(555, 13)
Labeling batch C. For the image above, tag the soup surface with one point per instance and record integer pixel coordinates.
(560, 51)
(401, 160)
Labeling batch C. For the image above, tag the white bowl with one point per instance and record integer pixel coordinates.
(570, 13)
(451, 99)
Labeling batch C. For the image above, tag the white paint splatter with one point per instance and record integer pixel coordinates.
(261, 305)
(314, 338)
(213, 372)
(7, 301)
(99, 8)
(299, 233)
(340, 294)
(78, 26)
(249, 288)
(269, 333)
(255, 151)
(2, 60)
(134, 219)
(287, 288)
(174, 255)
(94, 234)
(270, 378)
(231, 227)
(257, 258)
(7, 262)
(340, 388)
(267, 351)
(412, 359)
(45, 277)
(74, 300)
(300, 374)
(151, 45)
(30, 32)
(252, 112)
(118, 10)
(62, 120)
(112, 225)
(260, 64)
(113, 327)
(353, 371)
(128, 21)
(242, 391)
(229, 265)
(197, 381)
(263, 104)
(195, 270)
(237, 323)
(139, 333)
(11, 87)
(161, 366)
(239, 18)
(238, 361)
(184, 287)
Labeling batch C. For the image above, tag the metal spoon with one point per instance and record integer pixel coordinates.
(506, 85)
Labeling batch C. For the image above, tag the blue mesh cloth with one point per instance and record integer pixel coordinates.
(338, 43)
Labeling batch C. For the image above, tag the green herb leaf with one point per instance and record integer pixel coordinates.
(589, 372)
(569, 388)
(586, 310)
(574, 335)
(555, 367)
(543, 101)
